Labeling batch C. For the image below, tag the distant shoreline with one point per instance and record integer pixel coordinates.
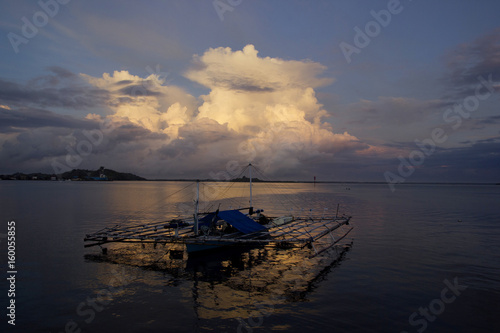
(262, 181)
(106, 175)
(317, 182)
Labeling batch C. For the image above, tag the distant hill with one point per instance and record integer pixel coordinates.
(245, 179)
(101, 174)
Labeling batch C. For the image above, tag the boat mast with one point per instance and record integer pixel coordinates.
(250, 175)
(196, 207)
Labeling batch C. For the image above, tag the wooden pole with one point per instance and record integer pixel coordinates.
(196, 208)
(250, 175)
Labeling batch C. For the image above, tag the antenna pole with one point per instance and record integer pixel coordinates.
(196, 207)
(250, 175)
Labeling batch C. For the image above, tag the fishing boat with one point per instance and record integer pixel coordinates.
(216, 229)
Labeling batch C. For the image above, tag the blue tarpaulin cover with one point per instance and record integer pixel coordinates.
(207, 220)
(240, 221)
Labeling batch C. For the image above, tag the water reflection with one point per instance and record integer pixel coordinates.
(237, 283)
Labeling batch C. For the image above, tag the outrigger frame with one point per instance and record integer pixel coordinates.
(298, 232)
(281, 231)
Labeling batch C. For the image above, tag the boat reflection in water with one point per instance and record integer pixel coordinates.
(238, 282)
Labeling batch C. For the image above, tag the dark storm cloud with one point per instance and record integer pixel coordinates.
(236, 81)
(33, 136)
(31, 148)
(489, 120)
(60, 88)
(45, 137)
(131, 132)
(206, 130)
(468, 61)
(480, 123)
(476, 162)
(394, 110)
(21, 118)
(138, 90)
(241, 84)
(177, 148)
(251, 88)
(55, 76)
(123, 82)
(490, 140)
(58, 74)
(482, 156)
(195, 136)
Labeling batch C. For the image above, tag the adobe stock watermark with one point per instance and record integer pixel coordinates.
(436, 307)
(87, 309)
(372, 29)
(233, 169)
(483, 90)
(256, 317)
(222, 6)
(143, 89)
(278, 134)
(83, 147)
(29, 28)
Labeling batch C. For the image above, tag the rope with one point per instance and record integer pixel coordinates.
(148, 208)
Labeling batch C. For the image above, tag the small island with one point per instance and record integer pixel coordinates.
(245, 179)
(100, 174)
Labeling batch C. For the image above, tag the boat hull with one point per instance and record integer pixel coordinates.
(197, 248)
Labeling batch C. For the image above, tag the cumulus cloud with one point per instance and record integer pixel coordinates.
(146, 101)
(258, 109)
(245, 71)
(271, 101)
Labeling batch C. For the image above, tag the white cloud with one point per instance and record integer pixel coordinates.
(147, 102)
(262, 110)
(245, 70)
(266, 105)
(270, 100)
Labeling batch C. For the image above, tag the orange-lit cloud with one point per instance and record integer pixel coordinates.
(261, 109)
(147, 102)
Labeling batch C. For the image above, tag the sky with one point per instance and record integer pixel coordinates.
(386, 91)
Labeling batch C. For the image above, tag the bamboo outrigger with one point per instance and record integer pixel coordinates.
(216, 229)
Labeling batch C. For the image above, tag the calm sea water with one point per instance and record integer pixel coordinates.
(424, 258)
